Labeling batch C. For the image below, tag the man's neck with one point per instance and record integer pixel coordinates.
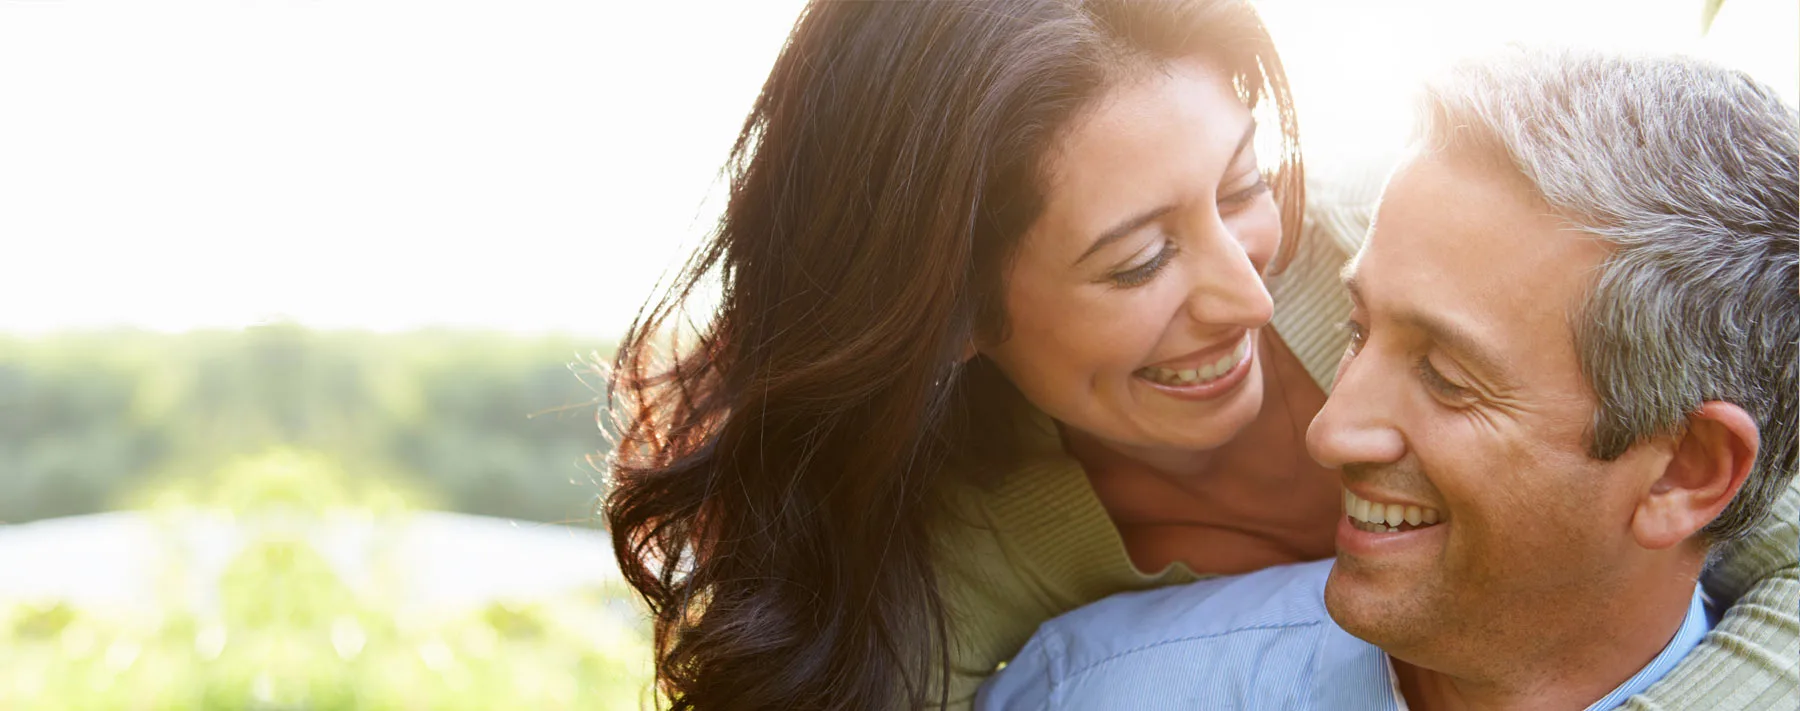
(1583, 670)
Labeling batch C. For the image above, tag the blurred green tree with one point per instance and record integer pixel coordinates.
(480, 423)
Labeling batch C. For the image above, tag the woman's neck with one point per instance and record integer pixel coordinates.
(1105, 458)
(1255, 501)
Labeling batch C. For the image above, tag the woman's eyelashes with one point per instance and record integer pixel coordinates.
(1144, 271)
(1231, 204)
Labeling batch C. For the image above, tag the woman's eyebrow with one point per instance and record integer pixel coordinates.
(1119, 231)
(1132, 223)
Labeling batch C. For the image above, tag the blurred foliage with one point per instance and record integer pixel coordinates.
(280, 629)
(472, 422)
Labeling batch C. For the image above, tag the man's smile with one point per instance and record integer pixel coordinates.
(1377, 517)
(1372, 528)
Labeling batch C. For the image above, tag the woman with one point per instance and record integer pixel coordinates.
(994, 340)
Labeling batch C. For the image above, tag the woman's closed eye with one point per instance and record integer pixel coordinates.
(1231, 204)
(1142, 272)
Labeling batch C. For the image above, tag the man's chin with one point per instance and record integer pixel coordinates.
(1375, 606)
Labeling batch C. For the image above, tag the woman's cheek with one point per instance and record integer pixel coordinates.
(1140, 326)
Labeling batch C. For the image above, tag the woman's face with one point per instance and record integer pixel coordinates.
(1135, 298)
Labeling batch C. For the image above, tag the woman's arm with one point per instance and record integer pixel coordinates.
(1036, 545)
(990, 612)
(1751, 660)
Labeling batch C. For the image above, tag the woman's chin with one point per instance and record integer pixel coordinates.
(1210, 422)
(1208, 436)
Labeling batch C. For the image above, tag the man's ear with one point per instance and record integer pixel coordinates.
(1712, 459)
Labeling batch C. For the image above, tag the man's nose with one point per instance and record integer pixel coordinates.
(1357, 425)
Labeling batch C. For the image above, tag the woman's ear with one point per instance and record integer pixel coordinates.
(1713, 457)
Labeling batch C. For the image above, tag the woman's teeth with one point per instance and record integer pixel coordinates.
(1209, 372)
(1387, 518)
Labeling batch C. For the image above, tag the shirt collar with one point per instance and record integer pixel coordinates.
(1394, 686)
(1694, 627)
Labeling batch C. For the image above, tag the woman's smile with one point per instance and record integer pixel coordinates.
(1205, 367)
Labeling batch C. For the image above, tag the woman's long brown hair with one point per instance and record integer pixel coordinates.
(773, 481)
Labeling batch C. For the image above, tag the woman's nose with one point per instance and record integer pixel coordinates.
(1229, 288)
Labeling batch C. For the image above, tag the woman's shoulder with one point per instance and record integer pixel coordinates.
(1015, 548)
(1340, 203)
(1036, 522)
(987, 567)
(1310, 300)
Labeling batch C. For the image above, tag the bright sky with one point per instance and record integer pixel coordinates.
(525, 165)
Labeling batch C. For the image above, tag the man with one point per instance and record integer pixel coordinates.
(1572, 373)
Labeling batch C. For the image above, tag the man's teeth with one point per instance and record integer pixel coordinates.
(1387, 518)
(1210, 371)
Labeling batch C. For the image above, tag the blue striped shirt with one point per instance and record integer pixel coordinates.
(1256, 641)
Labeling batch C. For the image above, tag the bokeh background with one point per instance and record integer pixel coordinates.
(302, 306)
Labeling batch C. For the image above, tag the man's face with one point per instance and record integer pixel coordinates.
(1461, 395)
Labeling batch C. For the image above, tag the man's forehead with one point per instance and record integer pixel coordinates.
(1466, 225)
(1469, 256)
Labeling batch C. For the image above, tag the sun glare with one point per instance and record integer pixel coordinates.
(393, 164)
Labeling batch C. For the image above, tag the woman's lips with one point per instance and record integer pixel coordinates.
(1209, 381)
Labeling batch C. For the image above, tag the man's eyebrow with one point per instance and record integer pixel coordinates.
(1448, 334)
(1134, 222)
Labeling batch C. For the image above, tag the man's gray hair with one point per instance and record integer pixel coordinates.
(1688, 172)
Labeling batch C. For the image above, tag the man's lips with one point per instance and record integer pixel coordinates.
(1365, 529)
(1377, 509)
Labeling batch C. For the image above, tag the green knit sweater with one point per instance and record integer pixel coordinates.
(1038, 542)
